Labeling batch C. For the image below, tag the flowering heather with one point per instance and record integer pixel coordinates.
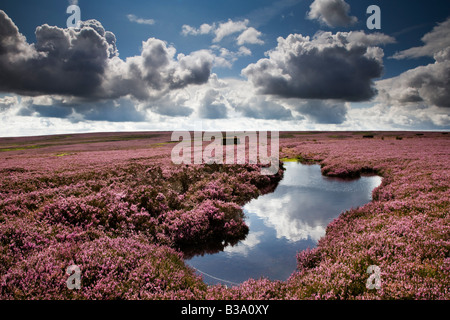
(119, 268)
(115, 205)
(405, 230)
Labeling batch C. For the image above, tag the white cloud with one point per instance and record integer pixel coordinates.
(436, 42)
(247, 35)
(212, 105)
(134, 18)
(228, 28)
(398, 117)
(429, 85)
(225, 58)
(251, 36)
(426, 85)
(245, 101)
(244, 51)
(288, 225)
(333, 13)
(160, 89)
(7, 102)
(243, 247)
(204, 29)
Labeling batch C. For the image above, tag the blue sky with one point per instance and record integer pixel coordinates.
(242, 65)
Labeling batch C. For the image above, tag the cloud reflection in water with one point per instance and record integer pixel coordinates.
(292, 218)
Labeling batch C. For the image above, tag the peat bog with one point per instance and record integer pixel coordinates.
(292, 218)
(114, 205)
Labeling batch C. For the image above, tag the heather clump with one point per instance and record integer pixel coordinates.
(209, 227)
(119, 268)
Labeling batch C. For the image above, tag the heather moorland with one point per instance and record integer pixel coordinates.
(115, 205)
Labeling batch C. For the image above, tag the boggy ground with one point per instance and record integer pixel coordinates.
(114, 205)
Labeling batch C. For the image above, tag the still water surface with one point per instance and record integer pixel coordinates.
(292, 218)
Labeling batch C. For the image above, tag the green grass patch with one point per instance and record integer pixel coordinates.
(20, 148)
(338, 136)
(299, 158)
(286, 135)
(364, 133)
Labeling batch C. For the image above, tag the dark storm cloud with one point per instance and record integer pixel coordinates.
(338, 66)
(11, 41)
(84, 63)
(62, 61)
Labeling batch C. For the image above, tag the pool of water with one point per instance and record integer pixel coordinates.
(292, 218)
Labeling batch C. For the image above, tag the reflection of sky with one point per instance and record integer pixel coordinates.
(305, 202)
(284, 222)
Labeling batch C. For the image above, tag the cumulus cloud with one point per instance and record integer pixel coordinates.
(338, 66)
(243, 99)
(174, 104)
(212, 105)
(228, 28)
(84, 63)
(203, 29)
(333, 13)
(226, 58)
(247, 35)
(436, 43)
(251, 36)
(63, 61)
(405, 117)
(425, 85)
(7, 102)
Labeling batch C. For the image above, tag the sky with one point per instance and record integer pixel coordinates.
(303, 65)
